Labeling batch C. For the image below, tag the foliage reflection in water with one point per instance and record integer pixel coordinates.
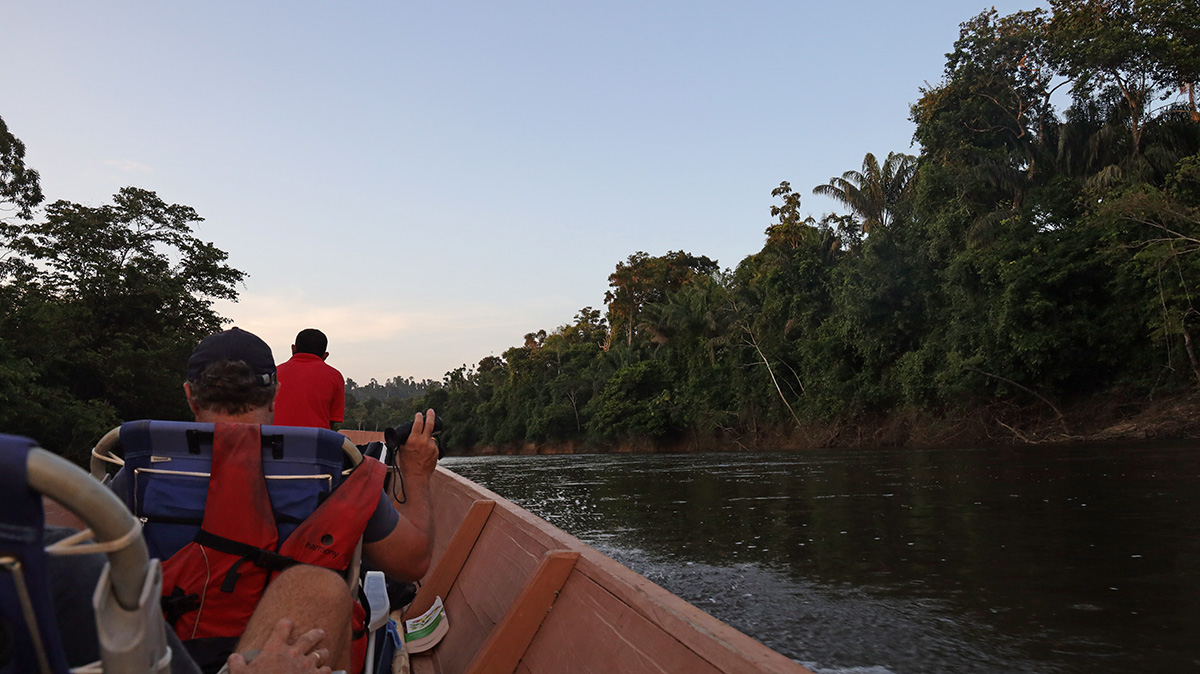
(1031, 560)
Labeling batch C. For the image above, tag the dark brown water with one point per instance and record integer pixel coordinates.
(904, 561)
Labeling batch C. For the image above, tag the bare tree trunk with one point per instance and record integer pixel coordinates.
(573, 398)
(1136, 109)
(753, 342)
(1191, 351)
(1061, 419)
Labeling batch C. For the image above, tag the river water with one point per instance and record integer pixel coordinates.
(1031, 560)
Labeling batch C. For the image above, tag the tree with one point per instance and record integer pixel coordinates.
(643, 279)
(1114, 44)
(1167, 222)
(102, 307)
(987, 128)
(635, 402)
(20, 187)
(569, 373)
(134, 264)
(1175, 25)
(873, 194)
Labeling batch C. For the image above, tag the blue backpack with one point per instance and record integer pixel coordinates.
(168, 463)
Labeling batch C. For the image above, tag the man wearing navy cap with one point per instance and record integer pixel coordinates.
(302, 621)
(232, 378)
(231, 375)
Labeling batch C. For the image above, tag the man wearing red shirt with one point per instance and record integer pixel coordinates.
(311, 393)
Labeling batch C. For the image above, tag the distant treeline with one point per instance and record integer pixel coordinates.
(376, 406)
(1031, 254)
(396, 387)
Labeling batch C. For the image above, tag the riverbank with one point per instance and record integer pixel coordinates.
(1114, 417)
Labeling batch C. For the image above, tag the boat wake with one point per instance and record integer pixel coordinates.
(833, 629)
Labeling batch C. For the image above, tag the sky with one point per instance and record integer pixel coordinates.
(427, 182)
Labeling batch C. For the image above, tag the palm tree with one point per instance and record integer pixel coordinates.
(873, 193)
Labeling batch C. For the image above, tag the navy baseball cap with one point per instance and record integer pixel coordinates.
(233, 344)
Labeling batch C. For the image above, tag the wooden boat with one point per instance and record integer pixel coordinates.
(523, 596)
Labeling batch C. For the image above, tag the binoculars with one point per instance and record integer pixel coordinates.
(394, 438)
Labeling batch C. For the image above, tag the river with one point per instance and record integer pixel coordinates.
(1031, 560)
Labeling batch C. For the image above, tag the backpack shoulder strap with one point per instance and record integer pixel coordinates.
(329, 535)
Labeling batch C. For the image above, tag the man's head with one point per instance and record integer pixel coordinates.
(231, 373)
(311, 340)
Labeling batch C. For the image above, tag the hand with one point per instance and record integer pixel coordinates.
(419, 454)
(278, 656)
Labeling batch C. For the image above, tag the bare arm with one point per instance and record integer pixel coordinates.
(406, 552)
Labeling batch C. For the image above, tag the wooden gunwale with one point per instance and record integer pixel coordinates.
(599, 616)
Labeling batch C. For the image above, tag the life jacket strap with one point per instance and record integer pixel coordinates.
(267, 559)
(178, 603)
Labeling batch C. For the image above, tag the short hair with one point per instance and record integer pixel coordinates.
(312, 340)
(229, 386)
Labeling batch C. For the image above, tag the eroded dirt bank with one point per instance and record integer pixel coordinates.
(1113, 418)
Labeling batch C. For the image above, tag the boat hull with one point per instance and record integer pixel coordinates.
(524, 596)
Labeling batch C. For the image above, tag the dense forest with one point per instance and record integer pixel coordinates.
(1037, 252)
(100, 308)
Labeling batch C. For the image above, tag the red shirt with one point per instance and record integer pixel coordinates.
(311, 393)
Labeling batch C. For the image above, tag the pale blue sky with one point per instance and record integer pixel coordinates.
(429, 181)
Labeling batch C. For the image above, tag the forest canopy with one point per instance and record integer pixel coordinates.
(1036, 248)
(1039, 248)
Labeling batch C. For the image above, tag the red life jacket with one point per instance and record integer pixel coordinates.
(213, 584)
